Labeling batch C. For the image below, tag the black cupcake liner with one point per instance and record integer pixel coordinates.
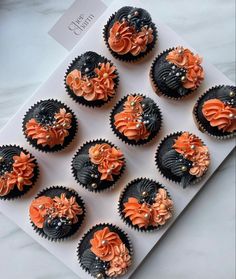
(84, 243)
(154, 84)
(109, 185)
(204, 128)
(129, 58)
(15, 193)
(56, 191)
(121, 136)
(126, 220)
(81, 100)
(72, 131)
(166, 173)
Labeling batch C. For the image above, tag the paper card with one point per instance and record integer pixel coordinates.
(93, 124)
(76, 21)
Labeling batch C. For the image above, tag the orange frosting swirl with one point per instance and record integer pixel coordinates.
(68, 208)
(201, 162)
(120, 263)
(128, 123)
(20, 176)
(162, 207)
(120, 37)
(125, 39)
(139, 214)
(184, 58)
(109, 160)
(50, 135)
(220, 115)
(91, 89)
(103, 244)
(186, 144)
(39, 209)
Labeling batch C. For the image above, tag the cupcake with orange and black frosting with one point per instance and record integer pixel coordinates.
(145, 205)
(18, 171)
(176, 72)
(105, 251)
(57, 213)
(130, 34)
(136, 119)
(49, 125)
(215, 112)
(97, 165)
(91, 79)
(183, 158)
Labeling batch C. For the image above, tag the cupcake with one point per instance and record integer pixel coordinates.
(97, 165)
(105, 252)
(49, 125)
(183, 158)
(136, 119)
(57, 213)
(176, 73)
(130, 34)
(91, 79)
(18, 171)
(145, 205)
(215, 112)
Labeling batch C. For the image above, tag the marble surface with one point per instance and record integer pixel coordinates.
(201, 243)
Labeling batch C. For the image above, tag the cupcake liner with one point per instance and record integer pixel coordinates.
(219, 135)
(154, 84)
(15, 193)
(109, 185)
(55, 191)
(166, 173)
(121, 136)
(81, 100)
(68, 139)
(84, 243)
(126, 220)
(129, 58)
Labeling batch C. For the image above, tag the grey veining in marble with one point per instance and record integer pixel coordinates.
(201, 244)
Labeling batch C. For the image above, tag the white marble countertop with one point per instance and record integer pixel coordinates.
(201, 243)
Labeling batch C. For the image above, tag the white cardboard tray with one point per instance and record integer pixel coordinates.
(94, 123)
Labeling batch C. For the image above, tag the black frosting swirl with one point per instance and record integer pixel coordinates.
(93, 263)
(87, 62)
(167, 77)
(7, 153)
(136, 17)
(57, 227)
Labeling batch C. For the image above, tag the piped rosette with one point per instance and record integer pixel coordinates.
(18, 171)
(136, 119)
(145, 205)
(130, 34)
(97, 165)
(215, 112)
(57, 213)
(176, 72)
(49, 125)
(91, 79)
(183, 158)
(105, 252)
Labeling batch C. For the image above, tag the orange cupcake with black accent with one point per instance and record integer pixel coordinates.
(18, 171)
(91, 79)
(130, 34)
(57, 213)
(183, 158)
(215, 112)
(136, 119)
(49, 125)
(145, 205)
(105, 251)
(176, 72)
(97, 165)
